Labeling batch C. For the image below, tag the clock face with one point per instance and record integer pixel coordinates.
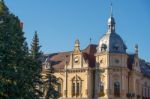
(76, 59)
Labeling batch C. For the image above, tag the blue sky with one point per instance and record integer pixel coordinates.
(60, 22)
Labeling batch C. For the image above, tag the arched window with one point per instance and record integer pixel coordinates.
(101, 89)
(117, 89)
(60, 86)
(76, 86)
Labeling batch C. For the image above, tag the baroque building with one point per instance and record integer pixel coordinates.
(102, 71)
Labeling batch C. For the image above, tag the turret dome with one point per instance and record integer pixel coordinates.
(111, 42)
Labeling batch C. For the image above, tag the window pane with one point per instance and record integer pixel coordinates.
(78, 89)
(73, 89)
(116, 89)
(59, 88)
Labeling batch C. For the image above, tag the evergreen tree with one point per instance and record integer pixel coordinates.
(48, 85)
(35, 54)
(17, 70)
(35, 47)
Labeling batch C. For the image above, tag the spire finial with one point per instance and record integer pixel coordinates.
(111, 9)
(111, 20)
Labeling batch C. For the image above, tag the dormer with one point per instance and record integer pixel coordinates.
(133, 62)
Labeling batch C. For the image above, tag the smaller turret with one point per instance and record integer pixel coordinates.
(77, 46)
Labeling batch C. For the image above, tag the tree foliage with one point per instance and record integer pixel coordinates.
(17, 70)
(47, 87)
(50, 84)
(35, 54)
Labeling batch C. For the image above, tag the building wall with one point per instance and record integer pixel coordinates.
(109, 69)
(82, 74)
(145, 87)
(132, 82)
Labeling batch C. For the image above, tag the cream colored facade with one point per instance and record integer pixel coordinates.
(103, 71)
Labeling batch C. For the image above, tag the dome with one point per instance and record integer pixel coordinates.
(111, 42)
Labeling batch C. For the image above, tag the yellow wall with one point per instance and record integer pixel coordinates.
(70, 75)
